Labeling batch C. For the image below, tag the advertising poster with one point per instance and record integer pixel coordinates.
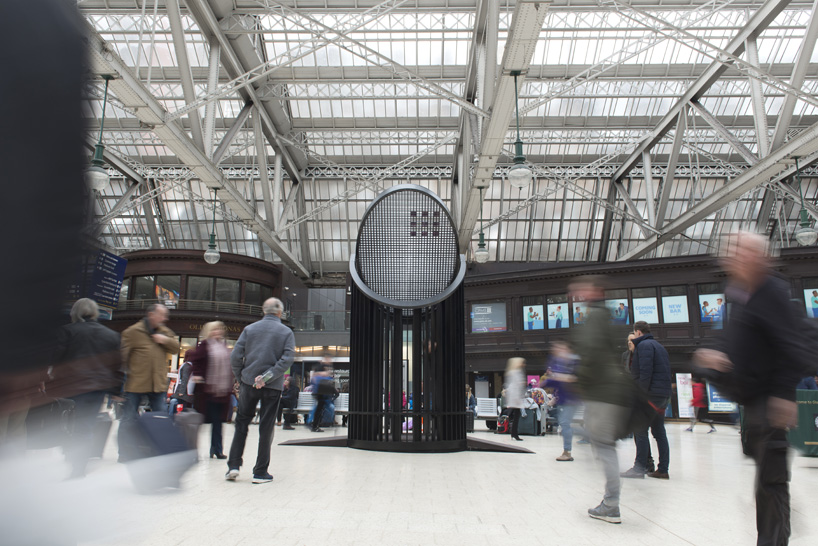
(646, 309)
(488, 317)
(674, 309)
(684, 395)
(533, 381)
(711, 307)
(717, 403)
(620, 314)
(533, 317)
(811, 299)
(579, 311)
(168, 296)
(557, 316)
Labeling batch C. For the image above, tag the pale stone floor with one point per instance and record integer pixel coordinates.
(339, 496)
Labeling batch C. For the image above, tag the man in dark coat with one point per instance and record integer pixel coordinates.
(651, 371)
(87, 368)
(758, 362)
(289, 400)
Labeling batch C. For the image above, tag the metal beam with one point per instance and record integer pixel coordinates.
(303, 233)
(212, 82)
(760, 20)
(104, 60)
(650, 189)
(261, 155)
(767, 169)
(180, 46)
(678, 138)
(197, 230)
(150, 220)
(731, 139)
(278, 181)
(607, 224)
(523, 34)
(232, 132)
(626, 198)
(757, 94)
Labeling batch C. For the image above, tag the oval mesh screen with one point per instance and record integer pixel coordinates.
(407, 246)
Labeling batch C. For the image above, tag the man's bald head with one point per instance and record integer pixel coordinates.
(747, 258)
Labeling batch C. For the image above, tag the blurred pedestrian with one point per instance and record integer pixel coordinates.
(87, 368)
(180, 391)
(651, 371)
(289, 400)
(515, 393)
(562, 377)
(213, 377)
(145, 347)
(323, 390)
(699, 405)
(758, 362)
(471, 401)
(604, 387)
(260, 358)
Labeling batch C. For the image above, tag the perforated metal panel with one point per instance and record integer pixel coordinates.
(407, 246)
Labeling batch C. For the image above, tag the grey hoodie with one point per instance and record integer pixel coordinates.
(264, 345)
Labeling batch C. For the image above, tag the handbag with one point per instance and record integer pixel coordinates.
(326, 387)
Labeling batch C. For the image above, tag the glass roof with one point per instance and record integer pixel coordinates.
(355, 100)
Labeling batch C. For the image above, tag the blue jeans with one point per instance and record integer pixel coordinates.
(657, 428)
(156, 400)
(565, 415)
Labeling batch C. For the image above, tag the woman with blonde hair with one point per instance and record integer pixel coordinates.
(214, 381)
(515, 392)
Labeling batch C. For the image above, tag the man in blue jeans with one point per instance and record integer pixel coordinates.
(562, 377)
(263, 353)
(651, 371)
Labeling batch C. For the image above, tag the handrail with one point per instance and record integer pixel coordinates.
(194, 305)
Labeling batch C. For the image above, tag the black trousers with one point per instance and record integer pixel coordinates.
(514, 420)
(321, 403)
(249, 397)
(768, 447)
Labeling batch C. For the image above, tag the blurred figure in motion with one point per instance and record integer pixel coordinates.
(145, 346)
(604, 387)
(699, 404)
(650, 369)
(289, 400)
(562, 377)
(261, 356)
(758, 363)
(180, 392)
(323, 390)
(471, 401)
(515, 393)
(213, 377)
(87, 368)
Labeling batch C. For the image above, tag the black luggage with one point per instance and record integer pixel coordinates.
(470, 421)
(158, 451)
(50, 423)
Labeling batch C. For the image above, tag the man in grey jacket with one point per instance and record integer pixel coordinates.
(263, 353)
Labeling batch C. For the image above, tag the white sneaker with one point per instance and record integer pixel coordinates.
(232, 474)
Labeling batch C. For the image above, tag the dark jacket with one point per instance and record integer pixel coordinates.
(600, 376)
(180, 392)
(262, 346)
(289, 396)
(87, 359)
(651, 367)
(759, 339)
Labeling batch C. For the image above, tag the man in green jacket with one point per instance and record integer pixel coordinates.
(604, 387)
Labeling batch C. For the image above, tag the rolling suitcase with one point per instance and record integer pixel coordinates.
(159, 452)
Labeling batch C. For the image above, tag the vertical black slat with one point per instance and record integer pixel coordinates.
(397, 365)
(427, 378)
(417, 356)
(378, 365)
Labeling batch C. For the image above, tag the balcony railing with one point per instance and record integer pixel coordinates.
(318, 321)
(195, 305)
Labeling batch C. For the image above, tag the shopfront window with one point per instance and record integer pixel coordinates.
(123, 291)
(200, 288)
(227, 290)
(144, 288)
(168, 288)
(674, 304)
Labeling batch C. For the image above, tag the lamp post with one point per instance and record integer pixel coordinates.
(519, 175)
(96, 176)
(212, 255)
(806, 235)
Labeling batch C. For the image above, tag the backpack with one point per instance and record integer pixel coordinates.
(502, 425)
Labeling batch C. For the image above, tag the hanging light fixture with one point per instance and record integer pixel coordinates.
(806, 235)
(212, 255)
(481, 255)
(96, 176)
(519, 175)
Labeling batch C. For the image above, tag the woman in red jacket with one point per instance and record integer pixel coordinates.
(214, 382)
(699, 404)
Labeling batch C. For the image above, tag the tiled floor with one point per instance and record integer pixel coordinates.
(339, 496)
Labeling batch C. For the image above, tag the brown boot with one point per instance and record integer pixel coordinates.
(566, 456)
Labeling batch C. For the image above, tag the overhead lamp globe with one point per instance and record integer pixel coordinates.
(212, 256)
(806, 236)
(481, 254)
(97, 178)
(520, 175)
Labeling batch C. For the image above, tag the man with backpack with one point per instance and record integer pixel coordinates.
(761, 357)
